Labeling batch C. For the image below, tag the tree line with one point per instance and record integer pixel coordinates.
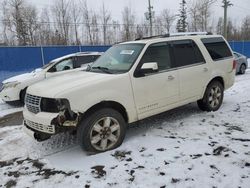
(73, 22)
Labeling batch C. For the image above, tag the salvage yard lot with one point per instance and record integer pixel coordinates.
(184, 147)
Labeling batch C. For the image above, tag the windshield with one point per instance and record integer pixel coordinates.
(118, 59)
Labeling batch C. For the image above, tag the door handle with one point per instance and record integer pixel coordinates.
(205, 69)
(170, 77)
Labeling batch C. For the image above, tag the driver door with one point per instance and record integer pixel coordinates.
(156, 92)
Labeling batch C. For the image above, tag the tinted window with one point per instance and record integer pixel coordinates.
(83, 60)
(217, 48)
(158, 53)
(186, 53)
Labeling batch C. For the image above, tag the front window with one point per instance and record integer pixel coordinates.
(118, 59)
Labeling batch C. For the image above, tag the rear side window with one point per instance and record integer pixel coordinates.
(217, 48)
(160, 53)
(186, 53)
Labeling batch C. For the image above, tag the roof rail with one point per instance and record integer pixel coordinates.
(151, 37)
(189, 34)
(175, 35)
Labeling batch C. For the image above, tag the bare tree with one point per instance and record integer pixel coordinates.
(87, 20)
(200, 13)
(45, 30)
(31, 18)
(16, 20)
(75, 12)
(95, 29)
(105, 19)
(167, 19)
(128, 18)
(62, 17)
(245, 28)
(219, 27)
(194, 16)
(4, 18)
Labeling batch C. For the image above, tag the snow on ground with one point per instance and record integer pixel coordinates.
(184, 147)
(6, 109)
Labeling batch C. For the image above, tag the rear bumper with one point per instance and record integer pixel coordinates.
(230, 79)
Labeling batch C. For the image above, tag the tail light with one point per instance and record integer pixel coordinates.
(234, 65)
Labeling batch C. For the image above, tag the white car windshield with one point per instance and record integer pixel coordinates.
(118, 59)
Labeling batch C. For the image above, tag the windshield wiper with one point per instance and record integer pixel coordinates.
(103, 69)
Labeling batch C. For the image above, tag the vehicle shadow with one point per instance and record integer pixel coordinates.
(160, 120)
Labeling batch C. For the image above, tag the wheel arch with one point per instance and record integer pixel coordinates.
(219, 79)
(108, 104)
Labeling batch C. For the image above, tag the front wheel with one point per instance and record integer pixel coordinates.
(242, 69)
(101, 131)
(213, 97)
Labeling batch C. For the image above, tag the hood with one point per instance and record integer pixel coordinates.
(53, 86)
(23, 77)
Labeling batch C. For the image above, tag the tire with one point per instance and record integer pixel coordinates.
(95, 132)
(242, 69)
(22, 96)
(213, 97)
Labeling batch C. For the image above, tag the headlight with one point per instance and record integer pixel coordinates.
(10, 84)
(53, 105)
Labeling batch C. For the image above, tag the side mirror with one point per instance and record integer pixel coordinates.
(147, 68)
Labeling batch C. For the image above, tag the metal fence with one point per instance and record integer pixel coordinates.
(17, 60)
(242, 47)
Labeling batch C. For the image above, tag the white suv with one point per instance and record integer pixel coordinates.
(130, 82)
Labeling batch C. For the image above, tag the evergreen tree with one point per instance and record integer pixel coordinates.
(182, 21)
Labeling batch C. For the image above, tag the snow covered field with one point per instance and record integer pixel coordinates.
(184, 147)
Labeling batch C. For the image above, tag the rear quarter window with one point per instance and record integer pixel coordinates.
(217, 48)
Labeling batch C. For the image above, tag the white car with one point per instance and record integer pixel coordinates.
(130, 82)
(14, 88)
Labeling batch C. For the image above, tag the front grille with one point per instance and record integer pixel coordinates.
(50, 129)
(33, 103)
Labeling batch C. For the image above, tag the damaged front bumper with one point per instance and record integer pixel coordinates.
(47, 123)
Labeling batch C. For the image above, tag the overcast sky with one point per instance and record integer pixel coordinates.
(240, 9)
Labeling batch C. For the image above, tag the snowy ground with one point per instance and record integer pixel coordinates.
(180, 148)
(6, 109)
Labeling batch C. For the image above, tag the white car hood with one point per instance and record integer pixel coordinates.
(52, 87)
(24, 77)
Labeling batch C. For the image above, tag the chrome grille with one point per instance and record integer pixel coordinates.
(33, 103)
(50, 129)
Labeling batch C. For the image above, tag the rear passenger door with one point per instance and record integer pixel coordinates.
(193, 70)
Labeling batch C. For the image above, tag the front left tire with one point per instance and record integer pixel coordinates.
(101, 131)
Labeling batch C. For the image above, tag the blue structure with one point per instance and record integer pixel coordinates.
(17, 60)
(242, 47)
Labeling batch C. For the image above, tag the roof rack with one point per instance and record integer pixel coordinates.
(151, 37)
(176, 35)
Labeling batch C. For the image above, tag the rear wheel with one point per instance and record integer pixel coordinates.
(101, 131)
(213, 97)
(242, 69)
